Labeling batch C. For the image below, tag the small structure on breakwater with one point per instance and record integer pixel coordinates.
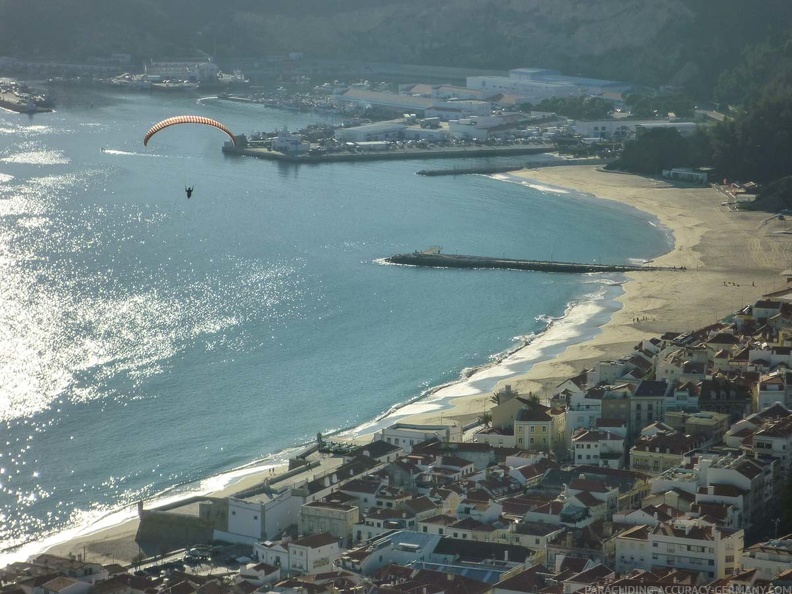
(433, 258)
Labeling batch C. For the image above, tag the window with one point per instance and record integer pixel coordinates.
(544, 428)
(532, 428)
(532, 441)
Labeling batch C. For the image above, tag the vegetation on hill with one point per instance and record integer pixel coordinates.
(775, 197)
(674, 42)
(754, 141)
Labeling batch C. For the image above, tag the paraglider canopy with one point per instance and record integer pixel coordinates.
(186, 119)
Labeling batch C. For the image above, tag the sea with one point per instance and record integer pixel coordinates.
(155, 347)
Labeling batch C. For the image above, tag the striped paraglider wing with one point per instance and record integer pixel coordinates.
(186, 119)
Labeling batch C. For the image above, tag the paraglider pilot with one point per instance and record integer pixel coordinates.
(189, 190)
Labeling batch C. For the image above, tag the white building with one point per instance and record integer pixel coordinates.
(598, 448)
(391, 130)
(768, 558)
(290, 144)
(774, 439)
(694, 546)
(400, 547)
(582, 412)
(406, 436)
(258, 517)
(633, 550)
(314, 554)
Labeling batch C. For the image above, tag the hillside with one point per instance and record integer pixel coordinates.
(679, 42)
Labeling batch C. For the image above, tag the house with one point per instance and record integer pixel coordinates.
(379, 521)
(538, 427)
(582, 411)
(768, 558)
(708, 426)
(585, 579)
(657, 453)
(596, 496)
(683, 397)
(337, 519)
(591, 544)
(535, 536)
(598, 448)
(72, 567)
(113, 585)
(647, 404)
(314, 554)
(259, 574)
(633, 549)
(648, 515)
(363, 491)
(529, 579)
(774, 439)
(694, 546)
(729, 395)
(377, 449)
(275, 554)
(405, 435)
(773, 387)
(399, 547)
(66, 585)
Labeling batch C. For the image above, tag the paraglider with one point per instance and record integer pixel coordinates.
(186, 119)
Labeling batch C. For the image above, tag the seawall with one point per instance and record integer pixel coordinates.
(395, 155)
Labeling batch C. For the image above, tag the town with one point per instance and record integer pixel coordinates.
(666, 469)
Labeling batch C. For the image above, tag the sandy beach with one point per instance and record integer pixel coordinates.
(731, 258)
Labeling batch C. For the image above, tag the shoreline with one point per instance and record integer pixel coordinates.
(713, 243)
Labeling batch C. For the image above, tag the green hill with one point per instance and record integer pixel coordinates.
(675, 42)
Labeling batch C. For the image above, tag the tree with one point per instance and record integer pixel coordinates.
(653, 151)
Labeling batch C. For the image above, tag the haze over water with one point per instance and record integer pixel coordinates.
(149, 341)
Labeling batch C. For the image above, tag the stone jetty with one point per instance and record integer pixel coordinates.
(434, 259)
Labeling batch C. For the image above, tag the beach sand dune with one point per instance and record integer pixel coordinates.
(730, 257)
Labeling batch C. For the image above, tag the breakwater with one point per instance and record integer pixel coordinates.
(434, 259)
